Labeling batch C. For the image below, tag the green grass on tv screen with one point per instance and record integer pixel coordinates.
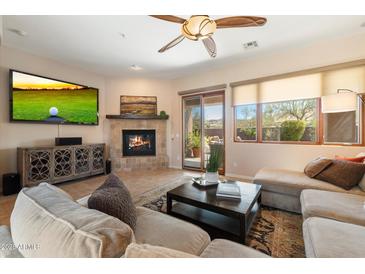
(74, 106)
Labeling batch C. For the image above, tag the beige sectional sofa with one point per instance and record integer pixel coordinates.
(281, 188)
(47, 222)
(334, 218)
(334, 224)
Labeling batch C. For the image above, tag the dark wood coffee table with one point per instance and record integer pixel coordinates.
(220, 217)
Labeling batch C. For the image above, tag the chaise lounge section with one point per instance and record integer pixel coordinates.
(281, 188)
(334, 224)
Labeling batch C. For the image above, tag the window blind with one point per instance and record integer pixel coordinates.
(350, 78)
(293, 88)
(307, 86)
(245, 95)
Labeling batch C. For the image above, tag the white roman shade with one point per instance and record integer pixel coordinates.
(245, 95)
(293, 88)
(341, 102)
(350, 78)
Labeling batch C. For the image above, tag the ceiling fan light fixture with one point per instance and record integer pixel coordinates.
(198, 27)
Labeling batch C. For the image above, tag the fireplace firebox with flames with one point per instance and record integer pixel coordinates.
(139, 142)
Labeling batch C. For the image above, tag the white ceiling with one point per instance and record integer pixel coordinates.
(95, 44)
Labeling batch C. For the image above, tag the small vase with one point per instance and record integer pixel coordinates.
(212, 177)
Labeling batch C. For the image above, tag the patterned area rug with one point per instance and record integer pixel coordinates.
(274, 232)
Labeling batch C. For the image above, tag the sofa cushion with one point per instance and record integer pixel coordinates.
(7, 247)
(113, 198)
(84, 200)
(326, 238)
(150, 251)
(220, 248)
(60, 227)
(342, 207)
(292, 182)
(160, 229)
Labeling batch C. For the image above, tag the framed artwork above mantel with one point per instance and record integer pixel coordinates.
(138, 105)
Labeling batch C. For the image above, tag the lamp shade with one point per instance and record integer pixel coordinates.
(340, 102)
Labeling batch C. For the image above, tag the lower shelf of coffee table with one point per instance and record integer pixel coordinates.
(217, 225)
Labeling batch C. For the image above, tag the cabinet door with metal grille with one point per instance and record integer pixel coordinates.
(98, 158)
(63, 163)
(39, 163)
(82, 160)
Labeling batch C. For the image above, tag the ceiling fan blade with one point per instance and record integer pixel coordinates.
(210, 46)
(172, 43)
(170, 18)
(240, 21)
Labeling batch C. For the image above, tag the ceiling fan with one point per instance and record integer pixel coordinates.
(202, 27)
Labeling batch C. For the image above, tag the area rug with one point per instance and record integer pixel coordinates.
(275, 232)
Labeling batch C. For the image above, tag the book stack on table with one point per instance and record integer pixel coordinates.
(229, 190)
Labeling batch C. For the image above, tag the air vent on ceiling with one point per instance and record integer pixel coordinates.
(251, 45)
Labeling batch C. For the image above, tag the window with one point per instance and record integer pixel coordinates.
(342, 127)
(286, 109)
(246, 123)
(290, 121)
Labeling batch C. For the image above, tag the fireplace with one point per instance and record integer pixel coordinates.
(139, 142)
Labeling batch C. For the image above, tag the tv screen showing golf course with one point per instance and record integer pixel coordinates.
(39, 99)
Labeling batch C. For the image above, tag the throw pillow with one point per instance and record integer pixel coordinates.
(113, 198)
(341, 173)
(316, 166)
(351, 159)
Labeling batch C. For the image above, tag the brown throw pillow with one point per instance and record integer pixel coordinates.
(316, 166)
(113, 198)
(344, 174)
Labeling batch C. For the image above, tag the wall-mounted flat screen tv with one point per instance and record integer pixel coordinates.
(40, 99)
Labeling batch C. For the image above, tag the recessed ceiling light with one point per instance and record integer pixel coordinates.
(122, 34)
(18, 32)
(136, 67)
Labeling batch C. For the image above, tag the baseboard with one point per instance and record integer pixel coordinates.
(240, 176)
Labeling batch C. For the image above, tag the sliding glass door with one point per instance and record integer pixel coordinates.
(203, 127)
(213, 133)
(192, 132)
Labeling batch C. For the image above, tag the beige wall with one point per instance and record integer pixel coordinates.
(246, 159)
(13, 135)
(142, 87)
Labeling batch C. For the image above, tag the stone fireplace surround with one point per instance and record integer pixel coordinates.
(137, 162)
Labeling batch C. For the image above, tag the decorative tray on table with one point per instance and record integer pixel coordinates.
(202, 182)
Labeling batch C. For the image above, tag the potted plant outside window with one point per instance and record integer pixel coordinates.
(195, 144)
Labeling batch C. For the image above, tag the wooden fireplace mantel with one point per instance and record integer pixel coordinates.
(135, 117)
